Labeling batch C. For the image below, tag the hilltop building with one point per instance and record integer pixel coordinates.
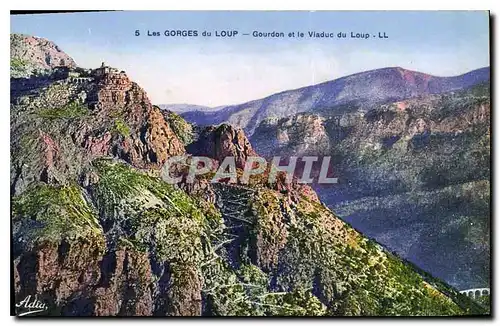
(81, 74)
(103, 70)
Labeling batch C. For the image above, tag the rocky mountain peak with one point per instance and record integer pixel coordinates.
(29, 54)
(82, 115)
(221, 142)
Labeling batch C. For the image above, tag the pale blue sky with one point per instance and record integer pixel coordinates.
(216, 71)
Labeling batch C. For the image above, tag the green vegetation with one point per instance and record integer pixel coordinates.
(70, 111)
(20, 68)
(455, 104)
(479, 90)
(485, 301)
(154, 216)
(182, 129)
(296, 303)
(121, 127)
(349, 274)
(151, 213)
(245, 292)
(61, 213)
(16, 63)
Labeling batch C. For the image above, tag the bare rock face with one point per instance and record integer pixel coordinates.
(127, 281)
(148, 139)
(300, 135)
(221, 142)
(84, 281)
(63, 272)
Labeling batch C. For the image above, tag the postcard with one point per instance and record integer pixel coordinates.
(250, 163)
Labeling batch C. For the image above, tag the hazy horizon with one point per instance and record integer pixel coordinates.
(214, 72)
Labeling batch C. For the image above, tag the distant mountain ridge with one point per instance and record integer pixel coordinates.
(184, 107)
(362, 89)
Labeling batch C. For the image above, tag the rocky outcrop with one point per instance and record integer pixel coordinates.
(39, 51)
(182, 129)
(221, 142)
(125, 286)
(226, 141)
(299, 135)
(31, 54)
(64, 273)
(78, 122)
(147, 137)
(80, 280)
